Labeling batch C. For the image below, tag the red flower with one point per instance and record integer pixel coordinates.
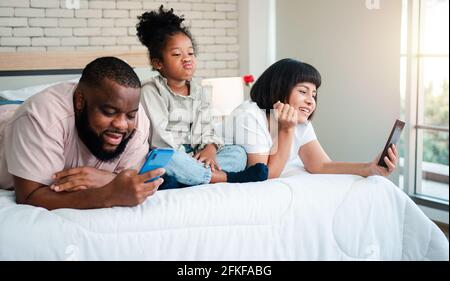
(249, 79)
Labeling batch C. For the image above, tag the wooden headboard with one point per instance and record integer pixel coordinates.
(65, 60)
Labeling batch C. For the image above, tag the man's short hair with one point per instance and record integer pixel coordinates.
(112, 68)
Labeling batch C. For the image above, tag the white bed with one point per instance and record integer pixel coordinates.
(302, 217)
(298, 217)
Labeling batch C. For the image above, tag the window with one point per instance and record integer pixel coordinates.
(425, 100)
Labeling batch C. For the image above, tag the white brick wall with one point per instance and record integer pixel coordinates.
(47, 25)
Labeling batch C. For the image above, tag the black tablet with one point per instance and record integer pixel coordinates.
(393, 139)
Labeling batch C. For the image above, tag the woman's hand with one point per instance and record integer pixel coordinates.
(82, 178)
(391, 162)
(208, 156)
(286, 115)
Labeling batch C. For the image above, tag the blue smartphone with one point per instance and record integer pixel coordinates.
(156, 159)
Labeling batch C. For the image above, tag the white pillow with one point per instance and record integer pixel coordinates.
(25, 93)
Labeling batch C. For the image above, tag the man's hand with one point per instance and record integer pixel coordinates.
(208, 156)
(128, 189)
(82, 178)
(391, 162)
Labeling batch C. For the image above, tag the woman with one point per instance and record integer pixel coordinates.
(288, 89)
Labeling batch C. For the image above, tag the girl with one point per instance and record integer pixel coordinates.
(289, 89)
(179, 109)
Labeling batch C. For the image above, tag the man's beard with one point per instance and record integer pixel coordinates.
(94, 141)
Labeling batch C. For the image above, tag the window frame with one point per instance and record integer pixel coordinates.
(413, 175)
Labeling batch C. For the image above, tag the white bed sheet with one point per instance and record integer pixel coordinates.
(301, 217)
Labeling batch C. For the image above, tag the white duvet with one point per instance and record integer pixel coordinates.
(303, 217)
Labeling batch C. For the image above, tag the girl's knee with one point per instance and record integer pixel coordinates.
(179, 161)
(236, 150)
(188, 171)
(239, 156)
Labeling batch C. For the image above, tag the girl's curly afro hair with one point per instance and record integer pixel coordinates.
(155, 28)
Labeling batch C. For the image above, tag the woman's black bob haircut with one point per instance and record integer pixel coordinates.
(278, 81)
(155, 27)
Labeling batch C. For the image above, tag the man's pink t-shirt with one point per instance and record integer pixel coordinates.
(41, 139)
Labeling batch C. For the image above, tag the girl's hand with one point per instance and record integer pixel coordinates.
(391, 162)
(82, 178)
(208, 156)
(286, 115)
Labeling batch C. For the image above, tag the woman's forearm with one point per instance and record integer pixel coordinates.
(280, 153)
(361, 169)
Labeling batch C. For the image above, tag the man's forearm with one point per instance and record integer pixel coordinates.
(88, 199)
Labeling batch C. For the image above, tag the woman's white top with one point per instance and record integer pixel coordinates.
(252, 132)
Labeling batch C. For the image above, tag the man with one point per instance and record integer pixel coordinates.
(74, 145)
